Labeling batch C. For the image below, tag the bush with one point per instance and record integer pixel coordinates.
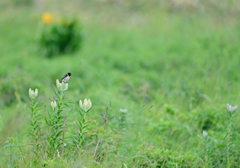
(166, 158)
(13, 88)
(57, 37)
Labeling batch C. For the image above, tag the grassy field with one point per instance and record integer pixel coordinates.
(173, 67)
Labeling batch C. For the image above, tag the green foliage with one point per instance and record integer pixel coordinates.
(59, 37)
(121, 120)
(54, 125)
(59, 162)
(166, 158)
(13, 88)
(19, 2)
(11, 152)
(189, 72)
(47, 133)
(34, 129)
(81, 129)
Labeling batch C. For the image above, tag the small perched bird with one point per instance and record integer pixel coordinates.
(66, 78)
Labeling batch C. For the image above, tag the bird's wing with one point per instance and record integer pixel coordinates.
(64, 77)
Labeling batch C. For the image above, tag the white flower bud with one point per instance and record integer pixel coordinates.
(86, 105)
(89, 104)
(123, 110)
(33, 94)
(61, 86)
(231, 109)
(54, 104)
(36, 93)
(57, 84)
(65, 86)
(80, 104)
(204, 134)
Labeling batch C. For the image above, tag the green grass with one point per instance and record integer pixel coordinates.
(185, 62)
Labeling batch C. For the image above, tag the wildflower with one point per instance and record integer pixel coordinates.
(86, 105)
(123, 110)
(57, 84)
(64, 86)
(204, 134)
(47, 18)
(61, 86)
(58, 155)
(54, 104)
(36, 92)
(33, 94)
(231, 109)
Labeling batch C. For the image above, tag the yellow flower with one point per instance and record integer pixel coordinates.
(47, 18)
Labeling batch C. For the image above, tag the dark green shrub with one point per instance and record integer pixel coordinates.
(13, 88)
(57, 37)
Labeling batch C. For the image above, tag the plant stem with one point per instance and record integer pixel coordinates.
(63, 135)
(40, 134)
(228, 140)
(105, 119)
(205, 152)
(99, 139)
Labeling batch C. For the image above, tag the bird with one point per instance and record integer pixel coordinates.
(66, 77)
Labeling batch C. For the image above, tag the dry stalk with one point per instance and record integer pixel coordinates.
(105, 119)
(148, 140)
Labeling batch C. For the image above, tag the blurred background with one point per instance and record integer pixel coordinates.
(172, 64)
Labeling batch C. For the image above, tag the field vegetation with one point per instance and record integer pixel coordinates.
(157, 75)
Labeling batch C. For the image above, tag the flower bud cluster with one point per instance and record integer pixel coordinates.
(231, 109)
(54, 104)
(33, 94)
(61, 86)
(86, 105)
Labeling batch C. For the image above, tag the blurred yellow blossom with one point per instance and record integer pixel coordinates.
(47, 18)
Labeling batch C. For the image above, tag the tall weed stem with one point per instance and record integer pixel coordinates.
(228, 139)
(230, 111)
